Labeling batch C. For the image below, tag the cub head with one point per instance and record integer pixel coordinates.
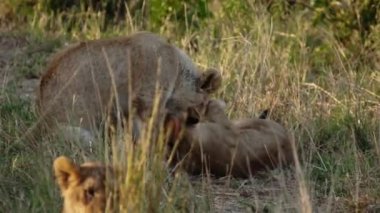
(211, 111)
(82, 187)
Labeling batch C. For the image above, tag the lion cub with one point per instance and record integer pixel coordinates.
(82, 187)
(239, 148)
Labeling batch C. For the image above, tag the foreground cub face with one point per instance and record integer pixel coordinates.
(82, 187)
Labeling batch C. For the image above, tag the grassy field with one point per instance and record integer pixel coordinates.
(323, 88)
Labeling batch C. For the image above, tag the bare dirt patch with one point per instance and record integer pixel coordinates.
(271, 192)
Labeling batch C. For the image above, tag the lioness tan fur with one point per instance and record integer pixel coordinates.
(82, 187)
(238, 148)
(91, 82)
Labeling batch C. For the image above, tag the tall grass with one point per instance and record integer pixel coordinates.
(329, 104)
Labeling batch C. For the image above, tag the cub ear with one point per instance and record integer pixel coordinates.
(210, 80)
(65, 171)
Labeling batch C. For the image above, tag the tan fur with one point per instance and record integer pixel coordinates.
(82, 187)
(240, 148)
(91, 82)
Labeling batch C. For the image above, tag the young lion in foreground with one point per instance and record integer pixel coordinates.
(238, 148)
(82, 187)
(89, 83)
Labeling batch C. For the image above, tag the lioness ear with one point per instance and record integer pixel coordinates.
(211, 80)
(64, 170)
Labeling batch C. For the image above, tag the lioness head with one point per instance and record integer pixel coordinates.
(181, 112)
(82, 187)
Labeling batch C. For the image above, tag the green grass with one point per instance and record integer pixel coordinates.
(328, 101)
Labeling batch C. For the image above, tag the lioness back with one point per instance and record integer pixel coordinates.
(263, 144)
(89, 80)
(240, 148)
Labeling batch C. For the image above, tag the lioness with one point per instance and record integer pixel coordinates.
(82, 187)
(91, 82)
(238, 148)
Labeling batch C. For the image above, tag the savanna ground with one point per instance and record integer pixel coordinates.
(315, 64)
